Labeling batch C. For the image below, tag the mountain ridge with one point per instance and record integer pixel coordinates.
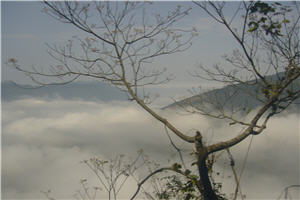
(77, 90)
(239, 98)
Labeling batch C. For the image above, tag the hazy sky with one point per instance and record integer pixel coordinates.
(25, 30)
(43, 141)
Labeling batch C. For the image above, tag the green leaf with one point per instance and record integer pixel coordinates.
(252, 29)
(249, 110)
(176, 166)
(187, 172)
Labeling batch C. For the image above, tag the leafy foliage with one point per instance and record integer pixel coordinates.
(176, 187)
(268, 17)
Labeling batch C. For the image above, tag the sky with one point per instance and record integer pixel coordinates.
(44, 140)
(25, 25)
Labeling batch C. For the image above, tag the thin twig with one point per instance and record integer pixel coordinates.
(175, 147)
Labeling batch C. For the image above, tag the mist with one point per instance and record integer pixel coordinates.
(43, 142)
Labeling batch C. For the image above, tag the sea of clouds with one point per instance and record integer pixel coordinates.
(43, 142)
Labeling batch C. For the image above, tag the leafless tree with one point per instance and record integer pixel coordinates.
(120, 48)
(111, 176)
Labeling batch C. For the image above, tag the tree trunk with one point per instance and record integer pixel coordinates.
(207, 191)
(202, 153)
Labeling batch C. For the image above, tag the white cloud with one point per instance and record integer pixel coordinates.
(44, 141)
(27, 169)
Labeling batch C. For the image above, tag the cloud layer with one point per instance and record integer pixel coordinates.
(43, 142)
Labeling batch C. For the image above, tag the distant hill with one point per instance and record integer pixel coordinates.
(231, 96)
(76, 90)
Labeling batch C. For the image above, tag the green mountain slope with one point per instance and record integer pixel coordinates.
(231, 97)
